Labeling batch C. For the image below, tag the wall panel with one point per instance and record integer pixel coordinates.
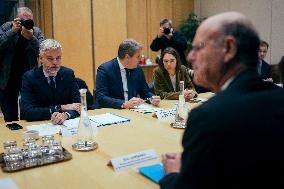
(72, 23)
(267, 16)
(109, 28)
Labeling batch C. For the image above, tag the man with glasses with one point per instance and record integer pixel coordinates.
(50, 92)
(19, 43)
(231, 141)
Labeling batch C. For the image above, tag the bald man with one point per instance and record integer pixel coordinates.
(235, 139)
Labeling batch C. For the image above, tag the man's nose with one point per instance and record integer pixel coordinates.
(190, 56)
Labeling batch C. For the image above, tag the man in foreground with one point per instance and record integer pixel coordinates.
(235, 139)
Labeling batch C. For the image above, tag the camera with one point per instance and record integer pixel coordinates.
(29, 24)
(167, 31)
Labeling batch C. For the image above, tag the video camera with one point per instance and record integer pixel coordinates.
(29, 24)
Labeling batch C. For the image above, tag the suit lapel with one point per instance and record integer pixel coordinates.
(116, 70)
(43, 84)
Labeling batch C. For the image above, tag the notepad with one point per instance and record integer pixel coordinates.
(98, 120)
(108, 119)
(153, 172)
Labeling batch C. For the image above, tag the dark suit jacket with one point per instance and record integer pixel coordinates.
(265, 70)
(8, 41)
(37, 99)
(109, 88)
(90, 99)
(163, 86)
(235, 139)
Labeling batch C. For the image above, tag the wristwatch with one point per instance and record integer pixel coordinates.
(58, 108)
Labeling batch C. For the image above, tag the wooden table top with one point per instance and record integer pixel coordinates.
(89, 169)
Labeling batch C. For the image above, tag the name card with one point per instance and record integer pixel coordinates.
(133, 160)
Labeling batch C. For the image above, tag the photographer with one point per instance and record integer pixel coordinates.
(168, 37)
(19, 49)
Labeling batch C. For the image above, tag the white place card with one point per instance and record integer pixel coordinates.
(134, 160)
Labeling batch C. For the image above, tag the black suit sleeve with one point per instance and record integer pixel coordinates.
(30, 111)
(199, 158)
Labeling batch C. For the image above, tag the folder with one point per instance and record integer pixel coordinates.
(153, 172)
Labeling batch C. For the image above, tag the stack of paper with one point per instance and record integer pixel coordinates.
(144, 108)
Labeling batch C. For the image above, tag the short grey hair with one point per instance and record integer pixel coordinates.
(128, 46)
(165, 21)
(49, 44)
(24, 9)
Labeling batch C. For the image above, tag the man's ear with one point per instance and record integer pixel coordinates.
(40, 57)
(230, 48)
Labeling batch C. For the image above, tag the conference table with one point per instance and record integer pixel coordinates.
(88, 170)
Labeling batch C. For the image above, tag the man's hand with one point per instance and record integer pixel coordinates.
(132, 102)
(161, 32)
(28, 34)
(172, 162)
(155, 100)
(73, 106)
(188, 94)
(16, 25)
(58, 118)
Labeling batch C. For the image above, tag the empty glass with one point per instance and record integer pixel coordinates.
(14, 159)
(8, 145)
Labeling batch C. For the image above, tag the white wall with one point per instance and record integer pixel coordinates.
(267, 16)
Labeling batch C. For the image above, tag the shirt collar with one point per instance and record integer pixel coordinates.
(227, 83)
(46, 75)
(120, 65)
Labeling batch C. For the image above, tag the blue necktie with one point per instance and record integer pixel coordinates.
(129, 86)
(52, 84)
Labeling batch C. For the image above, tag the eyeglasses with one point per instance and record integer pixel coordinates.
(197, 47)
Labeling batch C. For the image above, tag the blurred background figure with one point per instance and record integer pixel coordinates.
(263, 68)
(281, 70)
(168, 37)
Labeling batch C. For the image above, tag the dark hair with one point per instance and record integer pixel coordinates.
(173, 52)
(247, 42)
(281, 69)
(128, 46)
(263, 43)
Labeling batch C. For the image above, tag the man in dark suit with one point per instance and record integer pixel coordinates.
(18, 53)
(50, 91)
(235, 139)
(263, 68)
(120, 83)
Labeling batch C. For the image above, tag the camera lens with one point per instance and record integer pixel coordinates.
(167, 31)
(29, 24)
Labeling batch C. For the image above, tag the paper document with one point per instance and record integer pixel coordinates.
(145, 108)
(45, 129)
